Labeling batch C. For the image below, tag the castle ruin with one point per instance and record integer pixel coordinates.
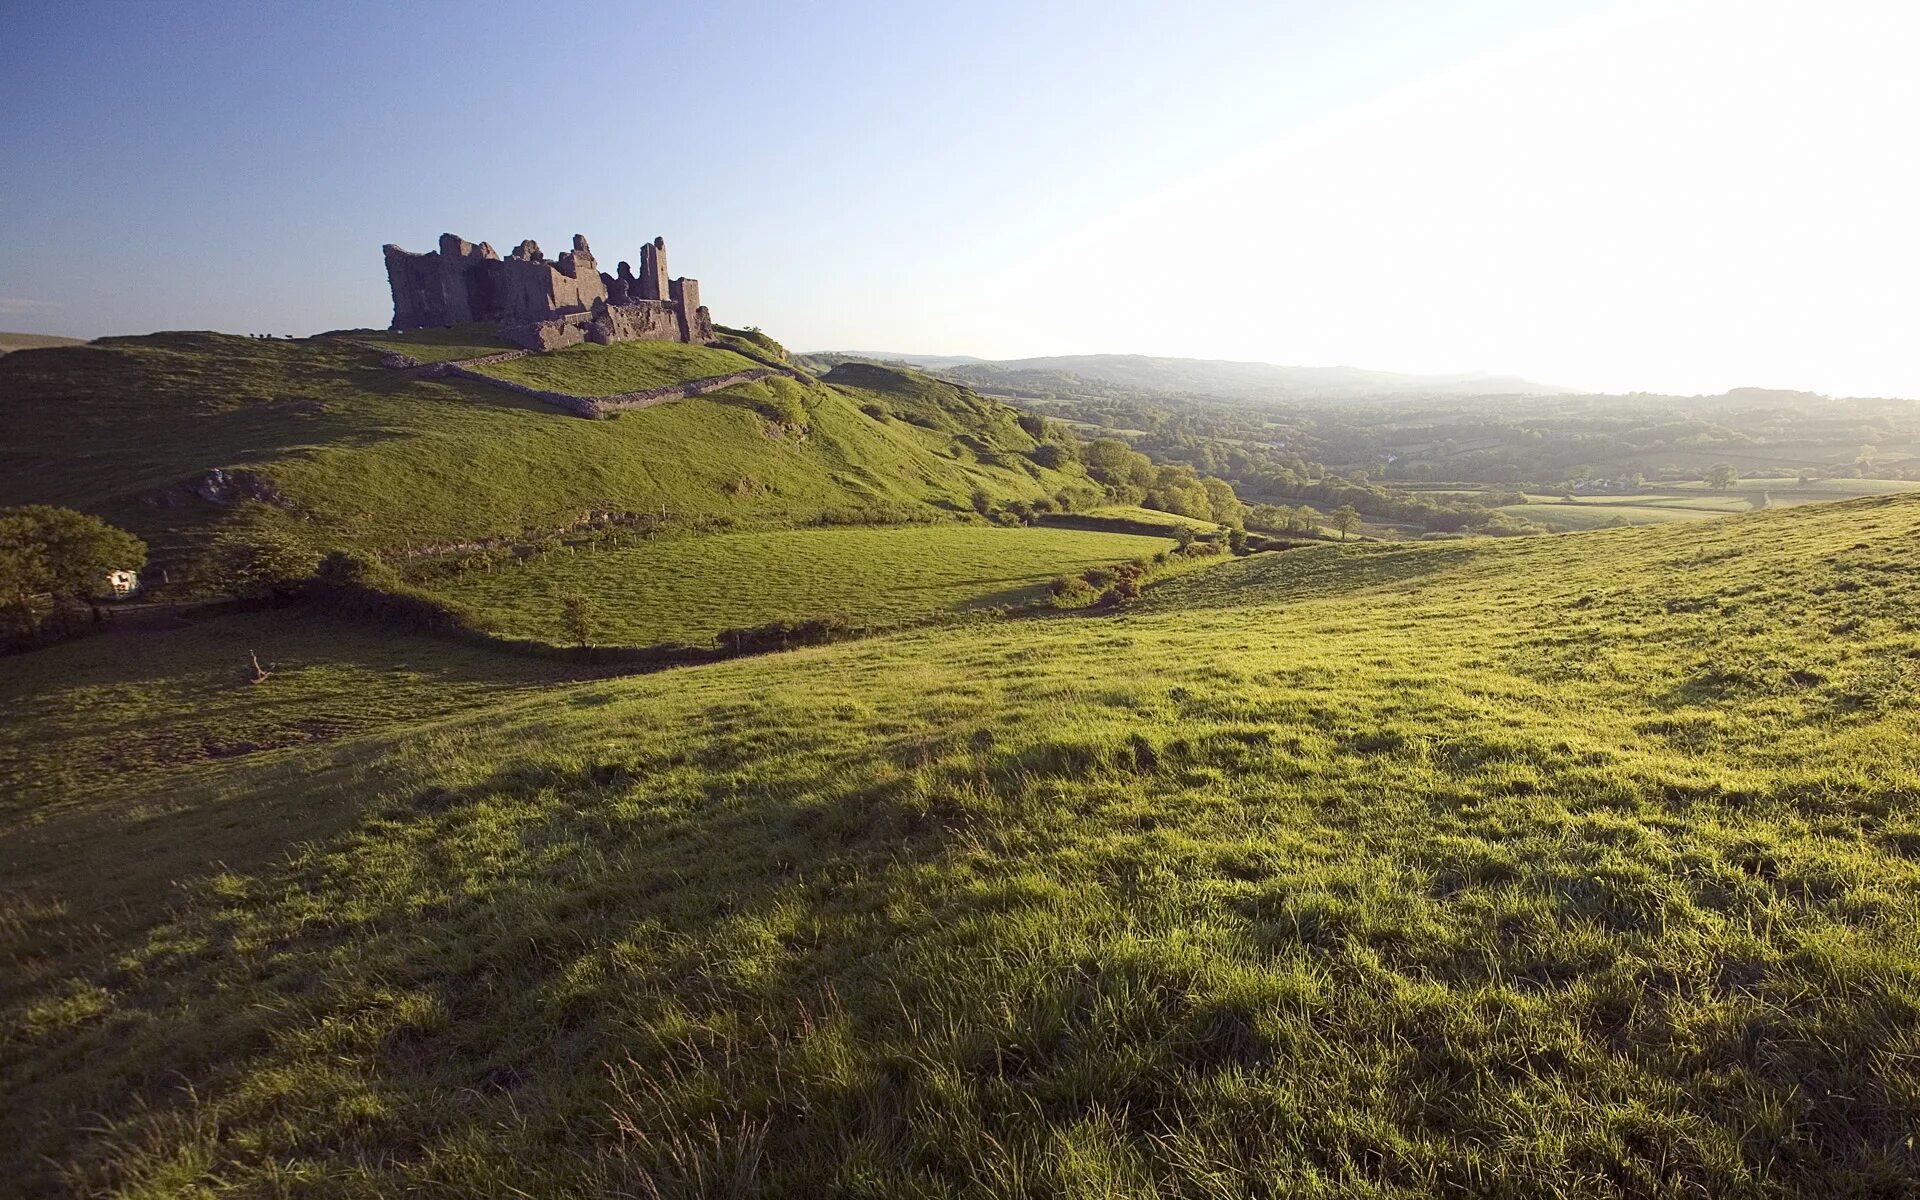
(545, 305)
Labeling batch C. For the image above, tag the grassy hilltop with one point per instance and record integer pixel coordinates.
(1582, 866)
(340, 451)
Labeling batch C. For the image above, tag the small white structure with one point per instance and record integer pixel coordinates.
(121, 584)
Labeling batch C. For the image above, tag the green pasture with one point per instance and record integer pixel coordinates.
(689, 589)
(1570, 867)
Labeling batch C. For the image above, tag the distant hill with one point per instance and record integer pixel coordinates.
(936, 362)
(34, 341)
(1211, 377)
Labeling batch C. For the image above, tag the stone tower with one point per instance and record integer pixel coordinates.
(653, 270)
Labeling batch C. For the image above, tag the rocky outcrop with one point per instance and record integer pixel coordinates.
(222, 486)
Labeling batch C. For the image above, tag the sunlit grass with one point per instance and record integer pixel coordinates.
(1582, 866)
(690, 589)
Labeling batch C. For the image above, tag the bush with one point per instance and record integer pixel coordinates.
(577, 618)
(345, 568)
(781, 635)
(1052, 455)
(258, 562)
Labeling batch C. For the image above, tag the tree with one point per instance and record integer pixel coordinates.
(1346, 519)
(1227, 509)
(1121, 468)
(60, 553)
(1720, 476)
(982, 503)
(578, 619)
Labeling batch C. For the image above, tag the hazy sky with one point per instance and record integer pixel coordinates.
(1685, 195)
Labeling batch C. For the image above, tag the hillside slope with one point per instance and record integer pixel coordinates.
(1585, 866)
(346, 452)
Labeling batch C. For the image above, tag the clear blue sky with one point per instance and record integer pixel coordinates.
(1219, 177)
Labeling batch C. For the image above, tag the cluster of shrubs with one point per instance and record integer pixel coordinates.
(360, 588)
(1030, 512)
(782, 635)
(878, 513)
(1112, 587)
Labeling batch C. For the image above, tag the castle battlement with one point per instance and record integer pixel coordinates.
(545, 305)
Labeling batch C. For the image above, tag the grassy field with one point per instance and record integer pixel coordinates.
(1583, 866)
(689, 589)
(364, 457)
(1564, 515)
(1695, 501)
(473, 340)
(622, 367)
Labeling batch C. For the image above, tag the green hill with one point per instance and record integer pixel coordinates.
(1582, 866)
(341, 451)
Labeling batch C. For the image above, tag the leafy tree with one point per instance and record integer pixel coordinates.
(1237, 540)
(1721, 476)
(578, 619)
(57, 552)
(1176, 489)
(982, 503)
(1346, 519)
(1124, 470)
(1227, 509)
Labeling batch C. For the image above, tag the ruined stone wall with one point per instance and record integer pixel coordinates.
(553, 333)
(642, 321)
(545, 305)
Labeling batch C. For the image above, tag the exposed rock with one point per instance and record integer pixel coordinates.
(218, 486)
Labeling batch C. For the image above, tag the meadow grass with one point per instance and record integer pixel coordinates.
(1562, 516)
(1583, 866)
(690, 589)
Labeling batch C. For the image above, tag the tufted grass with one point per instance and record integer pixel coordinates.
(1571, 867)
